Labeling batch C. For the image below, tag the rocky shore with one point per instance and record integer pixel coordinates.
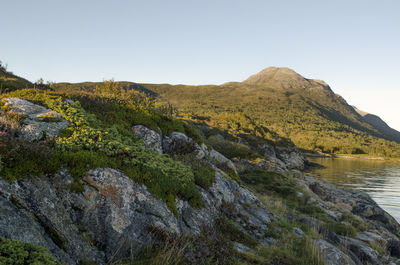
(110, 218)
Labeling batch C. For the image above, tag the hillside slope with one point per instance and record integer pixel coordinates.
(98, 174)
(306, 111)
(11, 82)
(380, 125)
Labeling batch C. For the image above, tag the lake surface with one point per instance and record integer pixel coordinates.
(380, 179)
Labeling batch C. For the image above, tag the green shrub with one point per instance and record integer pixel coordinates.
(22, 159)
(290, 251)
(228, 148)
(50, 119)
(231, 230)
(264, 181)
(204, 174)
(18, 252)
(341, 229)
(355, 222)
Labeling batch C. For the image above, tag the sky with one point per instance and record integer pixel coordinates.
(353, 45)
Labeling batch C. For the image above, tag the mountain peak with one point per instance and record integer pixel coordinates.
(282, 77)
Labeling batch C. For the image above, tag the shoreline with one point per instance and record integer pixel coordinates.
(322, 155)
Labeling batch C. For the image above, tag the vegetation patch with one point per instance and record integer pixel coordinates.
(291, 250)
(50, 119)
(18, 252)
(204, 174)
(232, 232)
(209, 248)
(89, 143)
(269, 181)
(315, 119)
(228, 148)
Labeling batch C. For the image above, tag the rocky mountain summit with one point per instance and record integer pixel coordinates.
(106, 215)
(284, 78)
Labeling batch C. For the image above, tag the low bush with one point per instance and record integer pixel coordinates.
(290, 251)
(354, 221)
(204, 174)
(228, 148)
(232, 231)
(210, 247)
(341, 228)
(268, 181)
(18, 252)
(22, 159)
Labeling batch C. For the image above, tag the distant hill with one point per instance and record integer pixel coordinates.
(11, 82)
(276, 103)
(376, 122)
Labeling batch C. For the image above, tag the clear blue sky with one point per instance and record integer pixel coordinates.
(353, 45)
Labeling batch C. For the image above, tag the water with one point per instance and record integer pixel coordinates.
(380, 179)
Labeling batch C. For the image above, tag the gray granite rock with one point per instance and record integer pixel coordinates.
(221, 159)
(111, 215)
(333, 255)
(364, 252)
(357, 202)
(298, 232)
(150, 138)
(35, 126)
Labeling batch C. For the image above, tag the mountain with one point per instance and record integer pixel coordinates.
(306, 111)
(376, 122)
(284, 78)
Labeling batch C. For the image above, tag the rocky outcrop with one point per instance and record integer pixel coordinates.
(181, 143)
(221, 159)
(362, 251)
(112, 214)
(292, 157)
(150, 138)
(357, 202)
(383, 230)
(39, 122)
(280, 158)
(333, 255)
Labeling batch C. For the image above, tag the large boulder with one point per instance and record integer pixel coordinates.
(39, 121)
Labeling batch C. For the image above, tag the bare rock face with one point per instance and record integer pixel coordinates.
(40, 122)
(151, 139)
(113, 209)
(292, 157)
(221, 159)
(358, 202)
(333, 255)
(178, 140)
(364, 252)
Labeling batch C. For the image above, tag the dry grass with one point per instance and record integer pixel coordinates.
(10, 124)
